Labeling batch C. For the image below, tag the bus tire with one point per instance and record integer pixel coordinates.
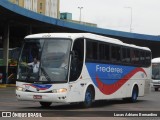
(89, 97)
(156, 89)
(134, 96)
(45, 104)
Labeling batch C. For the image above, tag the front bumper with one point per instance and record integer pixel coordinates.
(156, 85)
(45, 97)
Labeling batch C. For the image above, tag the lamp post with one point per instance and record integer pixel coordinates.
(80, 8)
(130, 18)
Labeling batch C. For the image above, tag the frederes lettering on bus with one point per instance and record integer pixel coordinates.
(108, 69)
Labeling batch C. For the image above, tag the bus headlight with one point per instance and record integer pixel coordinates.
(19, 88)
(62, 90)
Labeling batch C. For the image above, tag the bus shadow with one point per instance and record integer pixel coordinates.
(105, 103)
(76, 106)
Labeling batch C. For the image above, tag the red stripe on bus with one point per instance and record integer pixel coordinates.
(110, 89)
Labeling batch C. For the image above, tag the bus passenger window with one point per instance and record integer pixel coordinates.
(137, 55)
(89, 53)
(107, 52)
(142, 58)
(126, 55)
(92, 51)
(148, 59)
(133, 56)
(116, 53)
(102, 52)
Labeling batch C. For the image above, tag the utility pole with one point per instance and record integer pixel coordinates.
(80, 8)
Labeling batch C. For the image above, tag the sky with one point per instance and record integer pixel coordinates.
(137, 16)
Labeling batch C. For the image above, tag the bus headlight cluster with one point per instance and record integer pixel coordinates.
(19, 88)
(62, 90)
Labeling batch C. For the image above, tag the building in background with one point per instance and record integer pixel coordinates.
(45, 7)
(49, 8)
(68, 17)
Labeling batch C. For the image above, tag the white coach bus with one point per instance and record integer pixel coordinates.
(156, 73)
(81, 68)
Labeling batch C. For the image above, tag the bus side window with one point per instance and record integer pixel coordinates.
(137, 57)
(126, 55)
(116, 53)
(133, 56)
(92, 51)
(104, 52)
(89, 53)
(142, 58)
(148, 59)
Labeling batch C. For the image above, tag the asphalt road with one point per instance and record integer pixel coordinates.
(151, 102)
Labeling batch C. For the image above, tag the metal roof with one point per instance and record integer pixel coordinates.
(13, 8)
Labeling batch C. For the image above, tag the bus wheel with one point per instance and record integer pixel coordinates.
(45, 104)
(89, 97)
(134, 94)
(156, 89)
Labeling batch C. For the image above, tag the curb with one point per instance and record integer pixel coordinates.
(7, 85)
(3, 85)
(11, 85)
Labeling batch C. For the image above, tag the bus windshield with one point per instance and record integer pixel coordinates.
(44, 60)
(156, 71)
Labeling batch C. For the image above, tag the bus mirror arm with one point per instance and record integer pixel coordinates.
(71, 52)
(74, 54)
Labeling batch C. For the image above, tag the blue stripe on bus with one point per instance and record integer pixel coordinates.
(108, 73)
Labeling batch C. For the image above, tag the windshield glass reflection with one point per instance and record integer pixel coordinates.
(55, 59)
(156, 71)
(45, 60)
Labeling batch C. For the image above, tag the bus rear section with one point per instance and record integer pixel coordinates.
(118, 70)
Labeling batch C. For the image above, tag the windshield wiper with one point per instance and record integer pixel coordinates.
(45, 74)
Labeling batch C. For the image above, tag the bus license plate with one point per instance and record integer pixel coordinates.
(37, 96)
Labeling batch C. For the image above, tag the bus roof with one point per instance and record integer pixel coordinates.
(74, 36)
(156, 60)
